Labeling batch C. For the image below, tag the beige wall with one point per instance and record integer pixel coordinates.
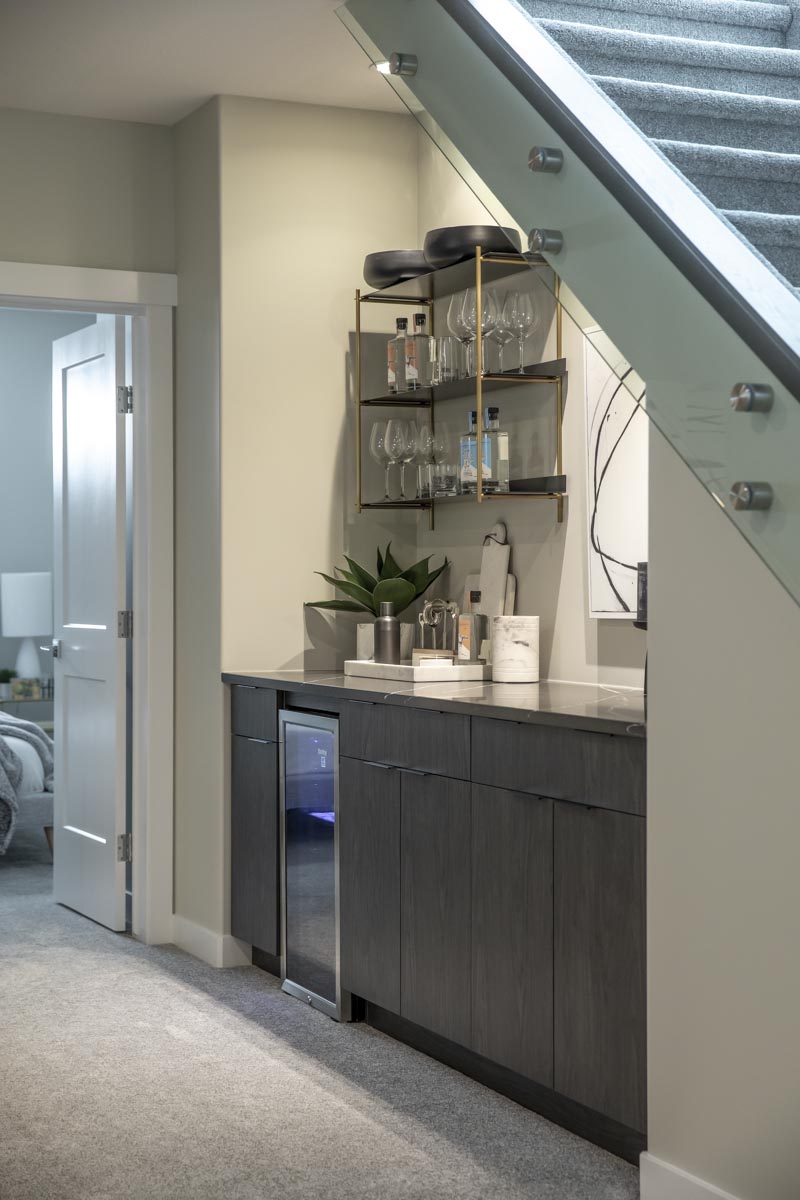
(84, 192)
(200, 831)
(306, 193)
(723, 837)
(549, 560)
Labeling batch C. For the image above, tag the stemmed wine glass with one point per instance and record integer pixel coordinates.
(409, 455)
(395, 442)
(425, 442)
(521, 318)
(377, 448)
(501, 334)
(457, 326)
(488, 317)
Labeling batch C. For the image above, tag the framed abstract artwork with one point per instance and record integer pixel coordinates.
(616, 477)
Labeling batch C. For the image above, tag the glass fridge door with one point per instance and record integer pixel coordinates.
(309, 780)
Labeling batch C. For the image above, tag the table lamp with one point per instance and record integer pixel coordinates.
(26, 602)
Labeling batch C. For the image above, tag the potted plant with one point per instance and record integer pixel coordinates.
(5, 683)
(365, 592)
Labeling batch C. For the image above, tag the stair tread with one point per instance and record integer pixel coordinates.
(770, 229)
(621, 43)
(732, 106)
(732, 161)
(748, 13)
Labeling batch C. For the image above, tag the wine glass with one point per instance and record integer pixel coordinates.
(521, 317)
(455, 322)
(501, 334)
(425, 443)
(377, 448)
(488, 318)
(409, 454)
(440, 448)
(395, 443)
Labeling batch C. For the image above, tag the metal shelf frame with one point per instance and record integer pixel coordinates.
(423, 291)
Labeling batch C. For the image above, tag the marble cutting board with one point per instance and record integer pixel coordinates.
(406, 673)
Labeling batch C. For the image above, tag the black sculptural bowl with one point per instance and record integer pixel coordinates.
(393, 266)
(454, 244)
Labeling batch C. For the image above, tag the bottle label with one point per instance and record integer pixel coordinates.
(469, 459)
(412, 368)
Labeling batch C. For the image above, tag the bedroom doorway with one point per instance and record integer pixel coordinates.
(27, 697)
(111, 554)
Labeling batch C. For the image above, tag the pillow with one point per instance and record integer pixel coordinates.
(32, 781)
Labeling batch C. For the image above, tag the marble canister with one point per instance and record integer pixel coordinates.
(515, 649)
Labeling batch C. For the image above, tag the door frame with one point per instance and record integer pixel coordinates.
(150, 300)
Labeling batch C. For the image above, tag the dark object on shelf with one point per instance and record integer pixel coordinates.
(387, 267)
(443, 247)
(541, 483)
(387, 635)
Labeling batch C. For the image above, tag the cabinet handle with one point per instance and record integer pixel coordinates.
(382, 766)
(411, 771)
(365, 703)
(258, 741)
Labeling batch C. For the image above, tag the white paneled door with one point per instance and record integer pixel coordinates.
(89, 574)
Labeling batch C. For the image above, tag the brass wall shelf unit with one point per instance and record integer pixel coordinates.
(423, 292)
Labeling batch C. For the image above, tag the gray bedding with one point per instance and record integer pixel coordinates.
(11, 769)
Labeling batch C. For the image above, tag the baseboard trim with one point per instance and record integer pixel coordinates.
(594, 1127)
(216, 949)
(659, 1180)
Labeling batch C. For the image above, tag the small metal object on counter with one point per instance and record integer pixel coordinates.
(435, 614)
(748, 497)
(546, 158)
(387, 635)
(752, 397)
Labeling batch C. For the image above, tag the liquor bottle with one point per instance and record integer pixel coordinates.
(468, 456)
(495, 454)
(418, 355)
(396, 357)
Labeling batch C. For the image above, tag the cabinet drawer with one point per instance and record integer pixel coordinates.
(566, 764)
(254, 712)
(254, 843)
(416, 738)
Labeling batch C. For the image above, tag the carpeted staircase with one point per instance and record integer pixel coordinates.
(715, 86)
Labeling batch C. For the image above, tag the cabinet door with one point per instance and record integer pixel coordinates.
(369, 881)
(435, 904)
(599, 869)
(512, 930)
(254, 843)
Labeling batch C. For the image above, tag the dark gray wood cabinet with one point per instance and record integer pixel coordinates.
(599, 981)
(512, 930)
(369, 881)
(254, 842)
(254, 712)
(435, 904)
(406, 737)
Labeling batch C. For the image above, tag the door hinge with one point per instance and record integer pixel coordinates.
(125, 623)
(125, 848)
(124, 399)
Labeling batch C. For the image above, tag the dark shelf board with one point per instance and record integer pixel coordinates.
(556, 488)
(436, 285)
(546, 372)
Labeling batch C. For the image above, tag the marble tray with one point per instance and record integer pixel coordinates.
(406, 673)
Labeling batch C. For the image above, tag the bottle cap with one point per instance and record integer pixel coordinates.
(387, 608)
(402, 322)
(473, 414)
(419, 319)
(493, 412)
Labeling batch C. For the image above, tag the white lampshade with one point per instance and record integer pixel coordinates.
(26, 602)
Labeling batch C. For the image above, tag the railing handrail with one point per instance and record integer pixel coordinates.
(707, 251)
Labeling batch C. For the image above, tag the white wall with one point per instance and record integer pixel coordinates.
(84, 192)
(723, 837)
(549, 560)
(306, 193)
(199, 695)
(26, 442)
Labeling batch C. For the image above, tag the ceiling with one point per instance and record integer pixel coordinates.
(157, 60)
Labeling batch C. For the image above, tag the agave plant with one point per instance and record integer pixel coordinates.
(366, 592)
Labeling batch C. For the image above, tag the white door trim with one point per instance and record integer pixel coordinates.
(150, 300)
(659, 1180)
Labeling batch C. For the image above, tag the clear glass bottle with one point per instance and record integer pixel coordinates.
(468, 456)
(418, 356)
(495, 454)
(396, 358)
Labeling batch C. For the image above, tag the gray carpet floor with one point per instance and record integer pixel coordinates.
(138, 1072)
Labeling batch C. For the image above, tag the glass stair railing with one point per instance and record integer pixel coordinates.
(702, 317)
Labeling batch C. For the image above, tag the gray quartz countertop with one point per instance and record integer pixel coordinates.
(551, 702)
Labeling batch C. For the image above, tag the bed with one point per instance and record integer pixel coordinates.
(26, 775)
